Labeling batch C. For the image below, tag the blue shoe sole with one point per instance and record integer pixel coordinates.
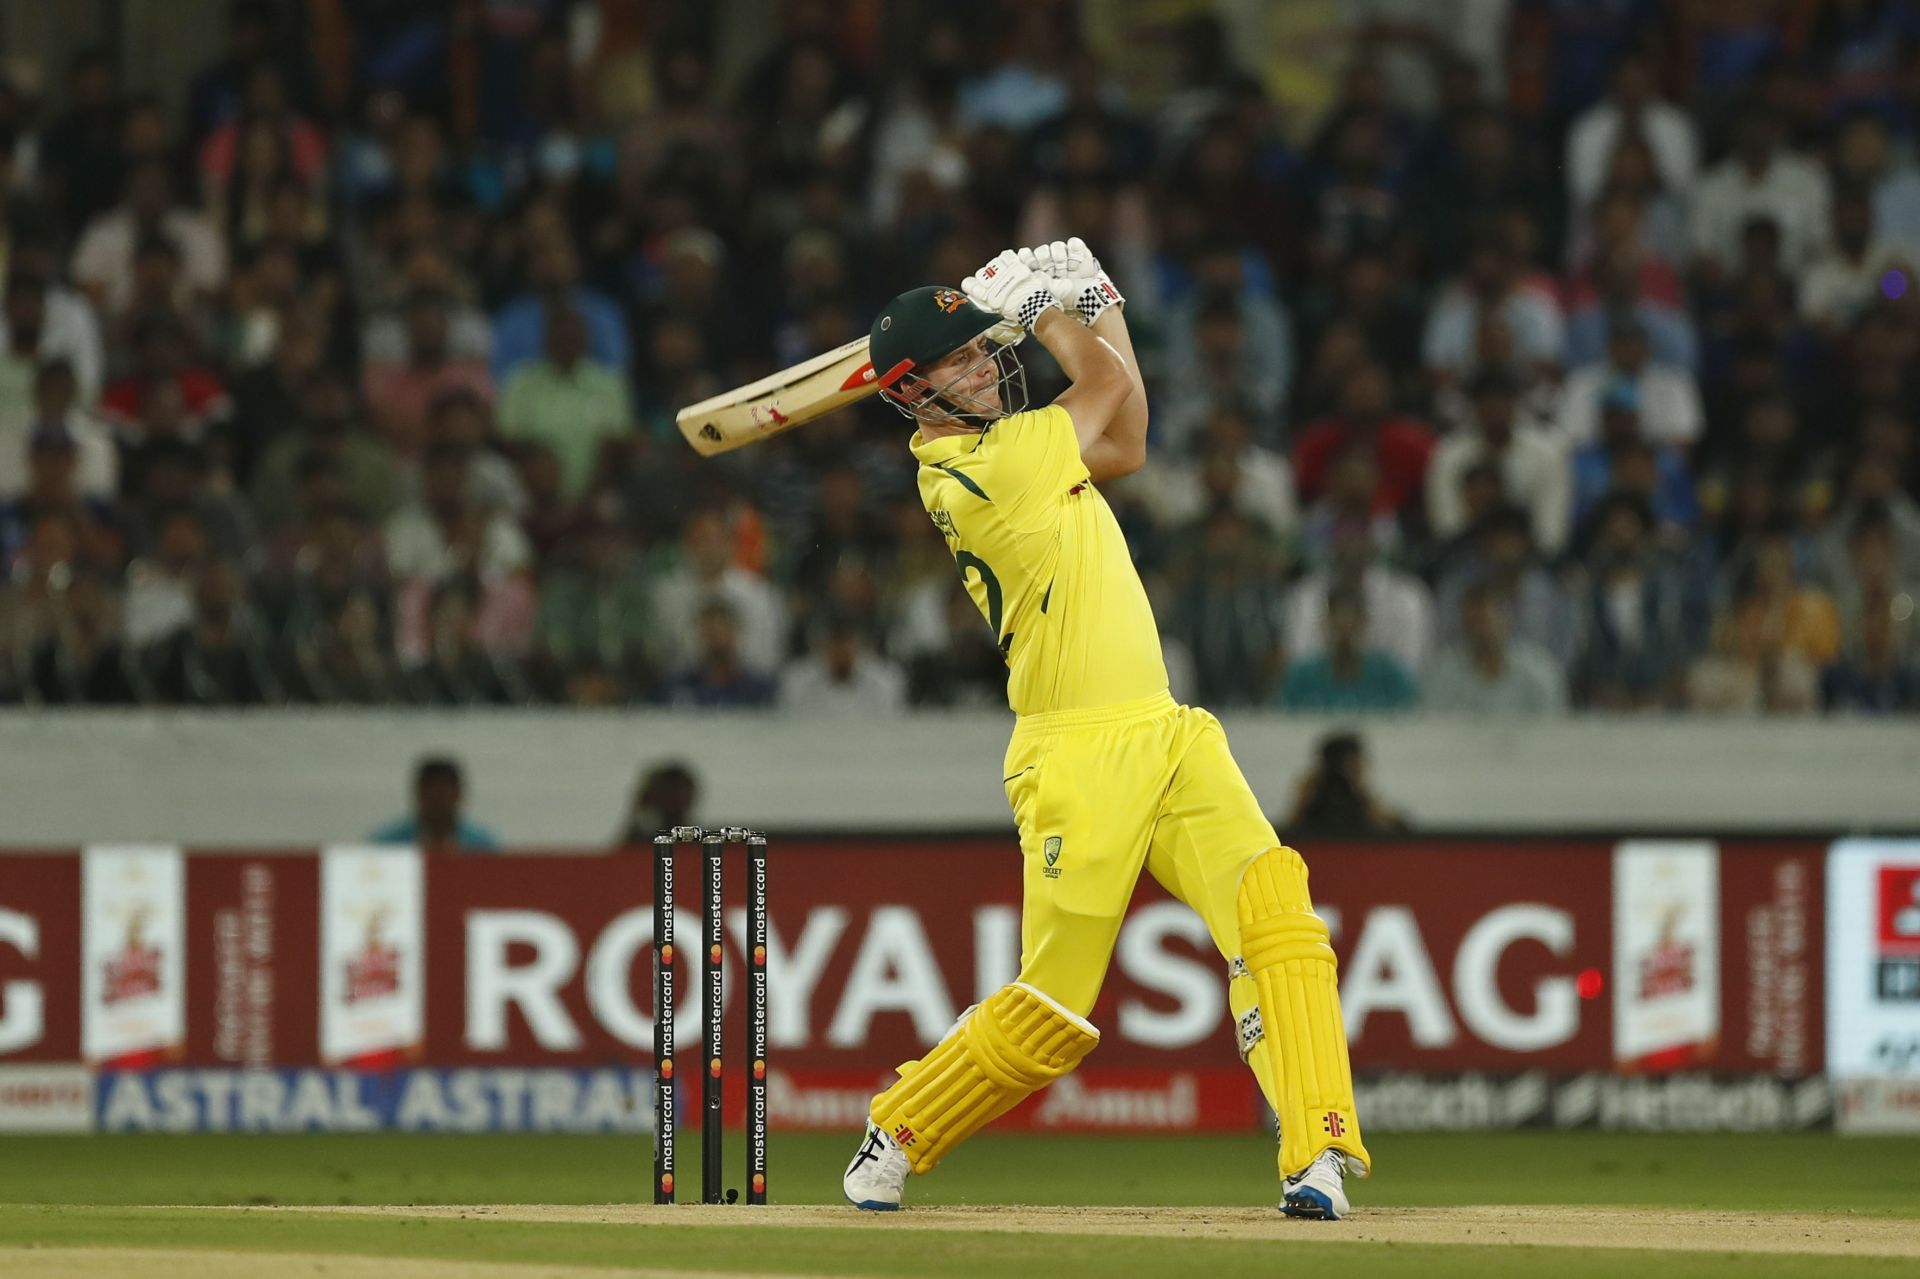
(873, 1205)
(1309, 1204)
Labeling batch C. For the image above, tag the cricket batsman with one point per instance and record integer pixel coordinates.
(1105, 772)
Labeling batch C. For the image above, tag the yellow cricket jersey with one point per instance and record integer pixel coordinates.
(1045, 561)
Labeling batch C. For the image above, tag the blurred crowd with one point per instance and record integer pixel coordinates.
(1553, 354)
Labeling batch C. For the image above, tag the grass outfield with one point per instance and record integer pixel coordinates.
(1203, 1204)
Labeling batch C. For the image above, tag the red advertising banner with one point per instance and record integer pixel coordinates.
(40, 957)
(252, 943)
(1502, 957)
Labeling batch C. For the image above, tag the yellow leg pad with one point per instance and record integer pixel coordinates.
(1290, 960)
(1014, 1044)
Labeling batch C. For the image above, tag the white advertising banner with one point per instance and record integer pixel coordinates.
(1666, 953)
(50, 1097)
(1873, 960)
(372, 961)
(133, 1008)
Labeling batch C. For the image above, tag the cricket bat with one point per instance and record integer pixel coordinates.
(813, 388)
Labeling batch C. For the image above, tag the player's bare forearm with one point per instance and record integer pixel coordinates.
(1102, 386)
(1127, 433)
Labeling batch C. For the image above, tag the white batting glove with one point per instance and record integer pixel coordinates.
(1078, 280)
(1011, 288)
(1068, 259)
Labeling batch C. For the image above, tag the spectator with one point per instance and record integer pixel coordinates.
(1348, 676)
(460, 419)
(55, 416)
(1229, 330)
(330, 555)
(423, 270)
(1399, 608)
(595, 618)
(1500, 554)
(1877, 675)
(217, 656)
(1491, 291)
(718, 676)
(166, 380)
(756, 621)
(1374, 296)
(566, 401)
(1352, 483)
(1641, 620)
(1872, 483)
(446, 534)
(60, 631)
(1336, 797)
(1356, 175)
(1872, 569)
(1226, 466)
(1224, 571)
(337, 628)
(1624, 460)
(1531, 463)
(219, 92)
(329, 435)
(1631, 109)
(1490, 673)
(1854, 271)
(1864, 159)
(438, 823)
(455, 666)
(268, 398)
(1482, 174)
(1746, 670)
(52, 488)
(103, 261)
(266, 119)
(1761, 179)
(1402, 446)
(666, 797)
(1770, 451)
(519, 331)
(1667, 398)
(160, 584)
(1624, 285)
(80, 150)
(843, 676)
(42, 613)
(62, 328)
(842, 536)
(401, 394)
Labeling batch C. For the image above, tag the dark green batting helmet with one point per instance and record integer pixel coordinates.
(919, 328)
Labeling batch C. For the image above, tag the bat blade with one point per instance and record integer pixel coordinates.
(813, 388)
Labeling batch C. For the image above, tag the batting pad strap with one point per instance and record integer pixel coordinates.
(1014, 1044)
(1292, 965)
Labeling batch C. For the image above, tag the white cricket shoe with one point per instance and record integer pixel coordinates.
(1319, 1190)
(878, 1173)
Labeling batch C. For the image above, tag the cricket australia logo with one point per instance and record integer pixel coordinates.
(1050, 853)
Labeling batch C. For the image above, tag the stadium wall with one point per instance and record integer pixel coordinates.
(562, 779)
